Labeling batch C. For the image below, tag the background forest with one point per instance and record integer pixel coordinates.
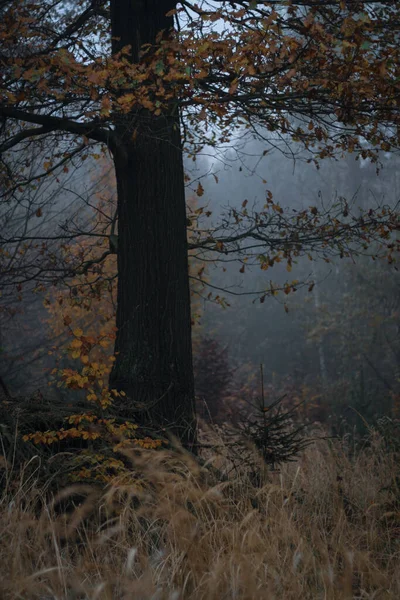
(333, 345)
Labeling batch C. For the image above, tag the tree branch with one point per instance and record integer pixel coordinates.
(23, 135)
(90, 130)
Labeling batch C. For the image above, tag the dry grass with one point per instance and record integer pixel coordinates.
(320, 528)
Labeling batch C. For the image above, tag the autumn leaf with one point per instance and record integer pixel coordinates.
(76, 344)
(200, 190)
(105, 106)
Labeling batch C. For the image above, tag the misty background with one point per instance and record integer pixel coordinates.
(333, 346)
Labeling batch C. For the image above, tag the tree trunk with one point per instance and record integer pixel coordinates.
(154, 357)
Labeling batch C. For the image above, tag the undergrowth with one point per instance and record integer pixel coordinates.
(326, 526)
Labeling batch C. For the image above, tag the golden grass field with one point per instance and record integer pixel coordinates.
(324, 527)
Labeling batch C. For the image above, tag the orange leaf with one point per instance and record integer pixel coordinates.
(200, 190)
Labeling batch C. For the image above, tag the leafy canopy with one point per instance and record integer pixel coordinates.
(325, 73)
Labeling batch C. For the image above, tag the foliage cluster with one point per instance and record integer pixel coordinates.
(81, 315)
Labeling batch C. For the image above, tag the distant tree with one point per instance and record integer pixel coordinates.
(213, 377)
(148, 79)
(358, 320)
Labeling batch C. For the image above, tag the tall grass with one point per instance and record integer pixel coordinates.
(324, 527)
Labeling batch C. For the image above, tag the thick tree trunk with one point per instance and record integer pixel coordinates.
(154, 358)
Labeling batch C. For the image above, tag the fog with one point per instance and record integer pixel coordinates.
(332, 345)
(335, 344)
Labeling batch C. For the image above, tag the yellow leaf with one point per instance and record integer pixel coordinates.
(288, 267)
(78, 332)
(76, 343)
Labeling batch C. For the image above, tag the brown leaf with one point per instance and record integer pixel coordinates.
(200, 190)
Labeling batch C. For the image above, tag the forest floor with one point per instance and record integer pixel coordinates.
(324, 527)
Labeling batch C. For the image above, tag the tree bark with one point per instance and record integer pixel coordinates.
(153, 345)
